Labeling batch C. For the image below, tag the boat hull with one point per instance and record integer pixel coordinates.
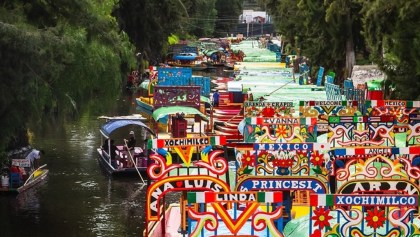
(145, 106)
(103, 160)
(34, 179)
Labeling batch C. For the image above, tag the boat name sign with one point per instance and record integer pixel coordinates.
(21, 162)
(183, 142)
(324, 103)
(181, 183)
(281, 184)
(382, 200)
(375, 186)
(264, 104)
(291, 146)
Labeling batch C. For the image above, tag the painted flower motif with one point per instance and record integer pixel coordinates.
(317, 159)
(302, 153)
(281, 131)
(397, 112)
(285, 163)
(375, 218)
(317, 233)
(321, 217)
(264, 156)
(248, 159)
(276, 162)
(289, 162)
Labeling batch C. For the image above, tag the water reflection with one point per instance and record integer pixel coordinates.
(78, 199)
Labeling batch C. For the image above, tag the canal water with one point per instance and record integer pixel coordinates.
(78, 198)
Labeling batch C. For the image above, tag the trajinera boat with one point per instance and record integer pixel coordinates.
(124, 163)
(345, 166)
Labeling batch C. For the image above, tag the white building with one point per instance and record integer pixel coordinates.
(249, 16)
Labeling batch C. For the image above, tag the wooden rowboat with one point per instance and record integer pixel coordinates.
(34, 179)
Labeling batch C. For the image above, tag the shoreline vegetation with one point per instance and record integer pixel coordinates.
(55, 56)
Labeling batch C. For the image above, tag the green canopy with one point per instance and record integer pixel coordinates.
(210, 52)
(163, 111)
(205, 99)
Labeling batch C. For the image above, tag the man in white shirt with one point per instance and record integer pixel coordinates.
(33, 156)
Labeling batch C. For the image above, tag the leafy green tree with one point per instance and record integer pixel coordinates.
(149, 23)
(202, 18)
(328, 32)
(55, 55)
(228, 12)
(392, 31)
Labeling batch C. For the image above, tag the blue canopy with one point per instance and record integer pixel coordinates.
(112, 125)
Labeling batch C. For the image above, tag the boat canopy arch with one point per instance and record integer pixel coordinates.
(163, 111)
(112, 125)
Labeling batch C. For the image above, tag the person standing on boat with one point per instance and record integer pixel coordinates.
(131, 143)
(33, 156)
(216, 97)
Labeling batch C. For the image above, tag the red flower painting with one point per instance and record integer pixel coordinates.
(375, 218)
(283, 163)
(281, 131)
(248, 159)
(317, 159)
(321, 217)
(276, 162)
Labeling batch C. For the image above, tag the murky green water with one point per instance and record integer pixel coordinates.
(78, 199)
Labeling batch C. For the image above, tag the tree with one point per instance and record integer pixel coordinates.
(327, 32)
(202, 18)
(56, 54)
(227, 16)
(392, 32)
(149, 23)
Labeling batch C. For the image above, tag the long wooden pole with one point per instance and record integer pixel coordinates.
(135, 164)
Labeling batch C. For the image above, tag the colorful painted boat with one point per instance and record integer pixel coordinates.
(334, 187)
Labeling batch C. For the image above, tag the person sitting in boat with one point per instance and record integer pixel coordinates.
(113, 150)
(105, 145)
(34, 156)
(130, 144)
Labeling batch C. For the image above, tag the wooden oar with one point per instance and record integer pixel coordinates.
(279, 88)
(132, 160)
(32, 174)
